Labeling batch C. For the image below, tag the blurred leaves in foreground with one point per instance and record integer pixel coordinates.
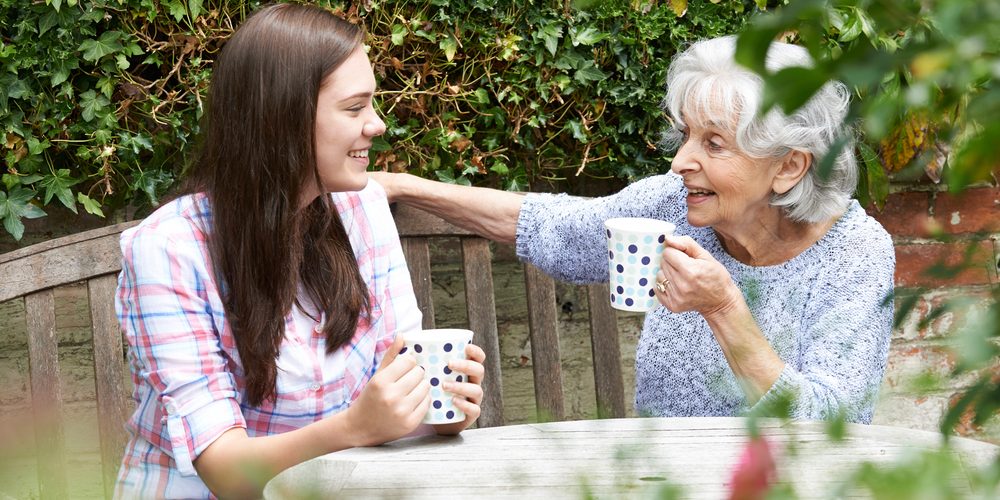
(924, 71)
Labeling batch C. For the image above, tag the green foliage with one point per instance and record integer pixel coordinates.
(925, 72)
(100, 100)
(14, 205)
(513, 93)
(927, 474)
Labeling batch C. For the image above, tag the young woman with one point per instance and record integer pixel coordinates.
(261, 311)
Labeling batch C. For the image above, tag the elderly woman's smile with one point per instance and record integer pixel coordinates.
(726, 188)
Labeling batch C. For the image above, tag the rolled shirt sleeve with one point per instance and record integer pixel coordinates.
(175, 345)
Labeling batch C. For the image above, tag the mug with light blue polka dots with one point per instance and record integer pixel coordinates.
(433, 349)
(635, 246)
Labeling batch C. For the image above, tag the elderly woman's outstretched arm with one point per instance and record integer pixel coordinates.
(490, 213)
(563, 235)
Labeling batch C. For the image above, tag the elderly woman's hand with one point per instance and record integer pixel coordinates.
(690, 279)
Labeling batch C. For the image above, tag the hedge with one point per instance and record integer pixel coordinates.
(100, 101)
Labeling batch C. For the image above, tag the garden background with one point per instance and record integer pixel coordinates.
(100, 104)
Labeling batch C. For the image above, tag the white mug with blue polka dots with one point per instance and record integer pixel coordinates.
(635, 246)
(433, 349)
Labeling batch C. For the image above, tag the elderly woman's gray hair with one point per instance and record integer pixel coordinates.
(706, 81)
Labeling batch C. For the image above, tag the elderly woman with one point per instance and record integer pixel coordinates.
(776, 289)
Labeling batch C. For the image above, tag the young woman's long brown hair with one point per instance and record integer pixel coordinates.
(257, 153)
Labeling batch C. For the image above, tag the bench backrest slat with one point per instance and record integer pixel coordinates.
(46, 393)
(477, 266)
(113, 407)
(542, 326)
(418, 260)
(57, 262)
(608, 381)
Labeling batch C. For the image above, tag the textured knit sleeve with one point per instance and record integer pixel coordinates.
(564, 235)
(847, 333)
(187, 393)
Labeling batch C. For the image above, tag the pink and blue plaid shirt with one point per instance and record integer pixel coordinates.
(189, 384)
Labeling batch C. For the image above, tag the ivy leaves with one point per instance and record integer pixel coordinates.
(58, 185)
(550, 34)
(60, 67)
(14, 205)
(108, 43)
(100, 102)
(92, 103)
(588, 35)
(533, 92)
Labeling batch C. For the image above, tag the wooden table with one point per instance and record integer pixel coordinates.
(607, 459)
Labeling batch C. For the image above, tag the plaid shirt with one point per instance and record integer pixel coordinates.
(189, 384)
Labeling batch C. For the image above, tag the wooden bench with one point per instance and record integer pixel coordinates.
(94, 257)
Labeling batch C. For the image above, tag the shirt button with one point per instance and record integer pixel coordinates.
(314, 386)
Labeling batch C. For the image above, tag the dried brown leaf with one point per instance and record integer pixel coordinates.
(461, 144)
(680, 7)
(12, 141)
(398, 166)
(906, 142)
(941, 153)
(477, 161)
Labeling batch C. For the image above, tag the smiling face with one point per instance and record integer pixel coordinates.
(346, 123)
(727, 189)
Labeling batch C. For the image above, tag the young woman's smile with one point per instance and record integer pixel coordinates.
(346, 123)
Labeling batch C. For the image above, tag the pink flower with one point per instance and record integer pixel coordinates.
(755, 472)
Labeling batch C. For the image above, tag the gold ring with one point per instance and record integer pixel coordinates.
(662, 285)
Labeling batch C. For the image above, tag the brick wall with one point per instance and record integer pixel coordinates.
(935, 233)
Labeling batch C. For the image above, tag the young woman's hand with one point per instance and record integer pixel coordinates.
(394, 401)
(468, 394)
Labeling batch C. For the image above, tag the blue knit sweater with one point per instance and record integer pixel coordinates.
(827, 312)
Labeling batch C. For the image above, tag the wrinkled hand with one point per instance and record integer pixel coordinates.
(697, 282)
(393, 402)
(469, 394)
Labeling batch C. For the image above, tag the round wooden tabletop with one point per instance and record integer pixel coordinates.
(615, 458)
